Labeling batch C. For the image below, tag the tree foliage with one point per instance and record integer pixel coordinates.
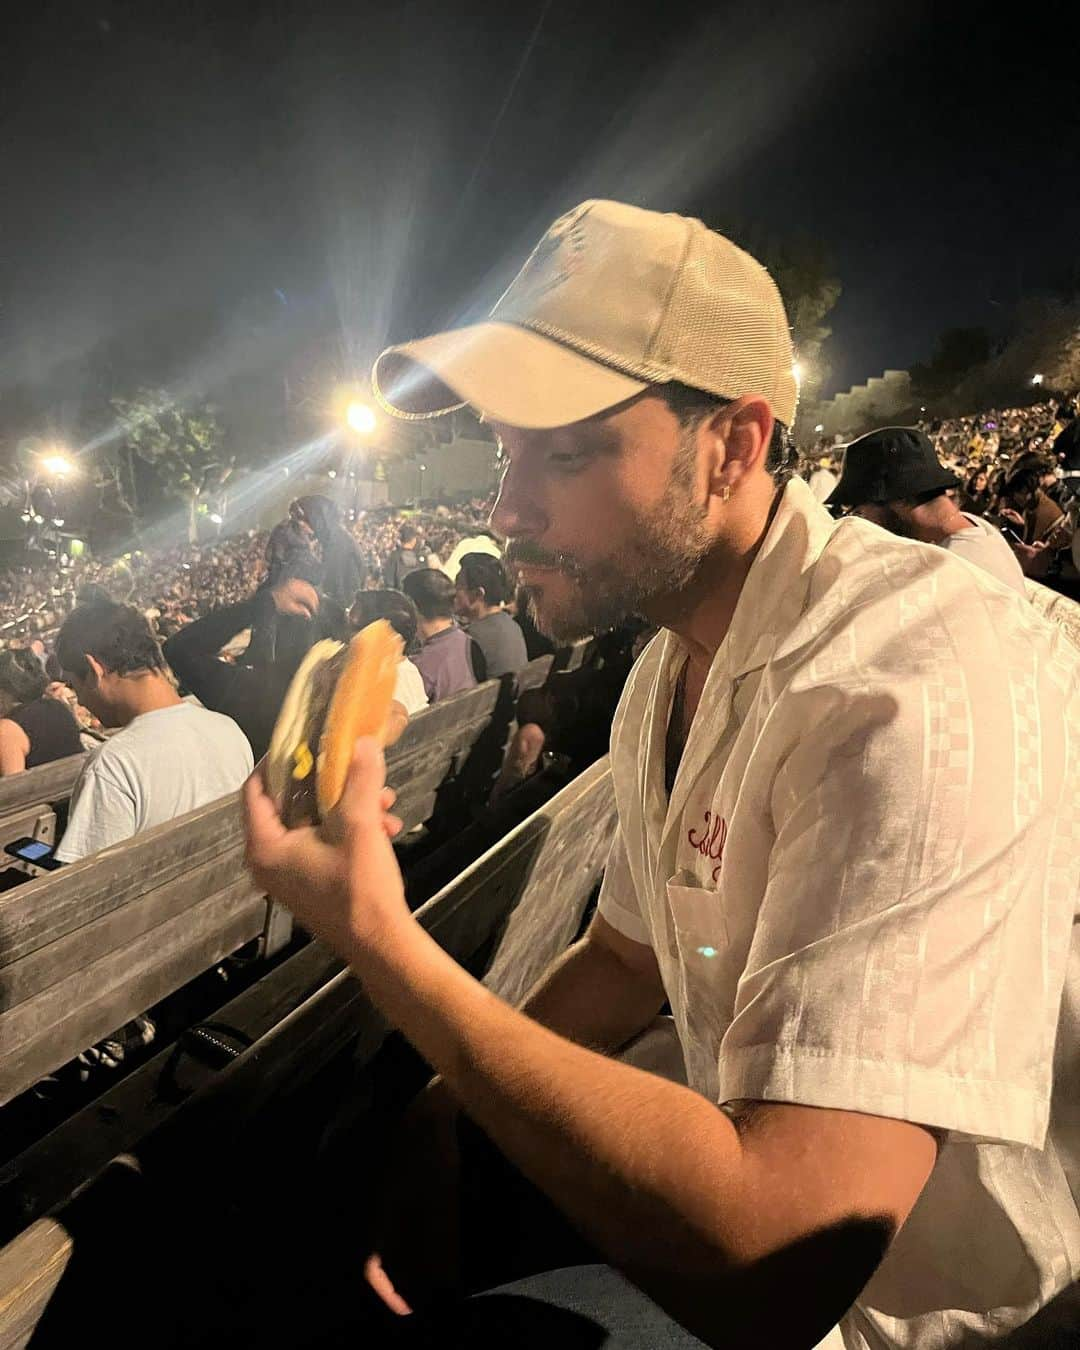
(184, 445)
(959, 351)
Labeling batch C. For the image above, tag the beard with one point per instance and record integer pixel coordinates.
(662, 551)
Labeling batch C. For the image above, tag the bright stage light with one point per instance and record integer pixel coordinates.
(820, 427)
(798, 370)
(1037, 379)
(58, 465)
(360, 417)
(215, 519)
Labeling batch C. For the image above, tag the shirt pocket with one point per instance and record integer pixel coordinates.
(703, 978)
(699, 928)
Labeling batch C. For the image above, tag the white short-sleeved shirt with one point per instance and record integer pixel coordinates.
(160, 766)
(983, 545)
(409, 688)
(862, 893)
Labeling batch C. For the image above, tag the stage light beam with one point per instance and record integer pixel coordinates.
(360, 417)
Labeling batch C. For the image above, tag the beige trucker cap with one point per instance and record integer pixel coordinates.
(613, 299)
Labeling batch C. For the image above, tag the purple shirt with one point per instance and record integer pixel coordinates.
(443, 662)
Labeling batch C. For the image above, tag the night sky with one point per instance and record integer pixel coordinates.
(376, 170)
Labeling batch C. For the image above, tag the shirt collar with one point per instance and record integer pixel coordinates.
(774, 592)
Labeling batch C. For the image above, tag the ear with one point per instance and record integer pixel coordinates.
(739, 436)
(97, 670)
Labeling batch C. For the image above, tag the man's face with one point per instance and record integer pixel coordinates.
(888, 515)
(468, 604)
(604, 518)
(89, 690)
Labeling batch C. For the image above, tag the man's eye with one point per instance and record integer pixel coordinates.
(567, 457)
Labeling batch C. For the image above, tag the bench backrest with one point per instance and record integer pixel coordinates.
(28, 801)
(85, 949)
(510, 913)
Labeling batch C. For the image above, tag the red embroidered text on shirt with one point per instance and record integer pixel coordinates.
(711, 840)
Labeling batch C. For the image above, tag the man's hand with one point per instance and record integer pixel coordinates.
(348, 892)
(295, 597)
(416, 1255)
(1032, 558)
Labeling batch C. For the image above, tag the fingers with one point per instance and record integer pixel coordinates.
(392, 825)
(361, 802)
(262, 823)
(381, 1283)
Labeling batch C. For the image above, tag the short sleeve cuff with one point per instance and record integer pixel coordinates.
(624, 921)
(977, 1109)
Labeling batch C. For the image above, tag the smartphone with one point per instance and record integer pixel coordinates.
(34, 851)
(1011, 535)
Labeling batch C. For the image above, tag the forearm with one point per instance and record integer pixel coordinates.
(618, 1150)
(589, 996)
(189, 650)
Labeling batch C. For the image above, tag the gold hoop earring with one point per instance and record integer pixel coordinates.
(725, 495)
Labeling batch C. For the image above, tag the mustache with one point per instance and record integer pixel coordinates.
(524, 553)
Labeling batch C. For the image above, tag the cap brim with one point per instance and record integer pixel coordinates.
(845, 496)
(506, 373)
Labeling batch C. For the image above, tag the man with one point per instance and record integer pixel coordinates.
(170, 756)
(285, 619)
(894, 478)
(443, 660)
(846, 856)
(406, 558)
(481, 593)
(343, 570)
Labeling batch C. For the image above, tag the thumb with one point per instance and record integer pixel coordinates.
(361, 802)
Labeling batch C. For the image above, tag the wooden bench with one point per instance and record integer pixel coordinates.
(29, 801)
(85, 949)
(508, 914)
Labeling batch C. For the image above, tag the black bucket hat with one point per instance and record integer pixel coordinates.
(888, 465)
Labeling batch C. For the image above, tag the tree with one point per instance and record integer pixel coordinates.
(184, 445)
(959, 351)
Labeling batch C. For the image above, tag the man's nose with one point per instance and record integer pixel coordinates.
(517, 510)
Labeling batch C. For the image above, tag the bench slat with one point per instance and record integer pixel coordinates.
(46, 1031)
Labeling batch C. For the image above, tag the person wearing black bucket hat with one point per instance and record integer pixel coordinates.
(894, 478)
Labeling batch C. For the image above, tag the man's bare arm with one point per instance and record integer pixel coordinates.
(602, 991)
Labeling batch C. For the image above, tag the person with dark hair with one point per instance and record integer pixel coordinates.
(168, 758)
(481, 592)
(284, 620)
(444, 660)
(406, 558)
(974, 499)
(894, 478)
(1024, 506)
(92, 593)
(34, 729)
(842, 852)
(400, 613)
(343, 569)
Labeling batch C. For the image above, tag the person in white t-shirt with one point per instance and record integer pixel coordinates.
(410, 696)
(170, 756)
(822, 480)
(894, 478)
(846, 775)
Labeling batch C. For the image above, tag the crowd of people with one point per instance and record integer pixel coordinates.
(172, 667)
(1013, 479)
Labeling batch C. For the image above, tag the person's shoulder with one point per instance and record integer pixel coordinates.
(880, 606)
